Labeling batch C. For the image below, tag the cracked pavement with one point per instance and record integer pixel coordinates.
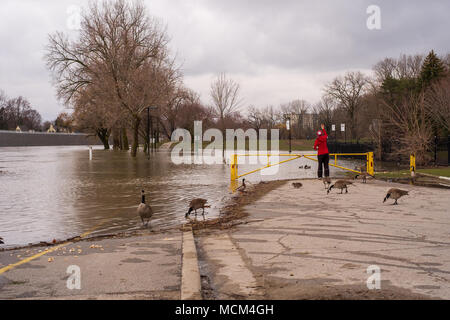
(310, 245)
(142, 267)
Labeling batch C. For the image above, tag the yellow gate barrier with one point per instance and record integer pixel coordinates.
(412, 164)
(234, 162)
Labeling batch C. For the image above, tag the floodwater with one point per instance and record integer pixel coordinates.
(51, 193)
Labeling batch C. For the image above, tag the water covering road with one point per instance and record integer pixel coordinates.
(57, 192)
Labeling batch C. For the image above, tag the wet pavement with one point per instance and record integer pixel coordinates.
(142, 267)
(294, 244)
(305, 244)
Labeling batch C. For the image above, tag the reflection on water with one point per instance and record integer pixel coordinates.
(56, 192)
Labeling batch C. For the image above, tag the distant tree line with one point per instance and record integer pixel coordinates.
(17, 112)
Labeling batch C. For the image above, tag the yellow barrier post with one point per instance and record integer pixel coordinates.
(370, 164)
(234, 167)
(412, 164)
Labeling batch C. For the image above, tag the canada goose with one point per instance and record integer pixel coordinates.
(395, 194)
(364, 176)
(1, 240)
(196, 204)
(340, 184)
(301, 167)
(326, 182)
(242, 187)
(297, 185)
(144, 210)
(307, 167)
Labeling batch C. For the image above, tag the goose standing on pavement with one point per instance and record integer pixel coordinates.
(297, 185)
(395, 194)
(196, 204)
(340, 184)
(144, 210)
(326, 182)
(364, 176)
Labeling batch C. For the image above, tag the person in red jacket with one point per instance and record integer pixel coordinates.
(322, 152)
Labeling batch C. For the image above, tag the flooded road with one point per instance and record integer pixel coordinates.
(51, 193)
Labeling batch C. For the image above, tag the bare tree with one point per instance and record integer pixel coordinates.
(177, 98)
(408, 119)
(348, 92)
(120, 45)
(437, 103)
(225, 97)
(325, 109)
(3, 117)
(94, 113)
(18, 112)
(405, 67)
(255, 118)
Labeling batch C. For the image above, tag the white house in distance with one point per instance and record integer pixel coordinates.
(51, 129)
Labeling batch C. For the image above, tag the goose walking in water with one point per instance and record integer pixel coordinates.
(144, 210)
(196, 204)
(395, 194)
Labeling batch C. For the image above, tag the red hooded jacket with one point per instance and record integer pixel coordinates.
(321, 143)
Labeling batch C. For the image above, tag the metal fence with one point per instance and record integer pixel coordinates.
(441, 151)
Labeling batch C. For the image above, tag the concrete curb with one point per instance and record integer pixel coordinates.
(191, 288)
(433, 176)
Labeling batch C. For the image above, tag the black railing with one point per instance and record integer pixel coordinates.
(441, 150)
(343, 147)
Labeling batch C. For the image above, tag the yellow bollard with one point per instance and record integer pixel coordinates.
(412, 164)
(370, 164)
(234, 167)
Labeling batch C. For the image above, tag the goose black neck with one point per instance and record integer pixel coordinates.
(143, 198)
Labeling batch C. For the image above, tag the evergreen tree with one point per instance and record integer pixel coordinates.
(432, 68)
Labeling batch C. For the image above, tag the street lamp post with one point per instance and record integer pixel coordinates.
(148, 132)
(149, 128)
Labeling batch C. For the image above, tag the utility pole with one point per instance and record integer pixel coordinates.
(149, 129)
(448, 150)
(148, 132)
(435, 149)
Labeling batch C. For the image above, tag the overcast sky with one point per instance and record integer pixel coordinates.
(277, 50)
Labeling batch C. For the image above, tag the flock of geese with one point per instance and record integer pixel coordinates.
(393, 193)
(145, 212)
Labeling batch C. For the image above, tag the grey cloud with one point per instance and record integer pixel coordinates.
(278, 41)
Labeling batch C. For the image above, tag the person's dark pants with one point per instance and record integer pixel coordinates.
(324, 159)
